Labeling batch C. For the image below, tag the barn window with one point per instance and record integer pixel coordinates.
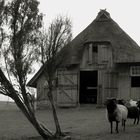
(94, 49)
(135, 76)
(135, 71)
(92, 53)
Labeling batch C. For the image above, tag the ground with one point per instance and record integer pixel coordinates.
(82, 123)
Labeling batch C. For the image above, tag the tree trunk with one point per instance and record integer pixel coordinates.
(11, 92)
(57, 125)
(45, 133)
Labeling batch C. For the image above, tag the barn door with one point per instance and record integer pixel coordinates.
(67, 94)
(88, 87)
(104, 54)
(111, 86)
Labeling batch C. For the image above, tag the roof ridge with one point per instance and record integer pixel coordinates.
(103, 15)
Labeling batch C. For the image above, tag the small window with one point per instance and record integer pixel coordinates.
(135, 76)
(94, 49)
(135, 81)
(90, 54)
(135, 71)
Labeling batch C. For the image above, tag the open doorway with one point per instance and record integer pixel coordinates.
(88, 87)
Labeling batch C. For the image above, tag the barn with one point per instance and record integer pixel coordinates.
(102, 61)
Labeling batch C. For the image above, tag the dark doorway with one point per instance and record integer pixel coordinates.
(88, 87)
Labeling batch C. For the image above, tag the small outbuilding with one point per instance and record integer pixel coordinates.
(102, 61)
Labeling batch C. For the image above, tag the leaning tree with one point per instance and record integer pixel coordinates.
(20, 21)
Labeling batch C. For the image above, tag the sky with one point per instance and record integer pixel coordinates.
(83, 12)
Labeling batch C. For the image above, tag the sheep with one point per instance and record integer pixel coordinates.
(138, 104)
(117, 113)
(132, 102)
(133, 111)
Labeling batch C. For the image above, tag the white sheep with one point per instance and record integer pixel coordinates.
(132, 102)
(117, 113)
(133, 111)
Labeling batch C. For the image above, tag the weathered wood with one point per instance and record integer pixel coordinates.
(67, 90)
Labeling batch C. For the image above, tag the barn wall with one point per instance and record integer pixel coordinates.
(135, 93)
(85, 64)
(42, 99)
(124, 83)
(107, 76)
(113, 80)
(102, 61)
(40, 88)
(110, 85)
(67, 88)
(125, 90)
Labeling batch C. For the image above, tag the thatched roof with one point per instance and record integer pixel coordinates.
(102, 29)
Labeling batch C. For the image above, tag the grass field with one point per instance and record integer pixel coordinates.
(85, 123)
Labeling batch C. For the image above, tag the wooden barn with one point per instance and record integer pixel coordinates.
(102, 61)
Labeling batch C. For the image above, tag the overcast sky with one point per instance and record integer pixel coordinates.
(82, 12)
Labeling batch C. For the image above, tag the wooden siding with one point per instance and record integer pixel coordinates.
(135, 93)
(124, 82)
(111, 84)
(107, 77)
(67, 90)
(124, 85)
(42, 98)
(105, 55)
(41, 94)
(96, 60)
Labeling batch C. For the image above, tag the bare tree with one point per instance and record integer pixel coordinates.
(21, 22)
(57, 36)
